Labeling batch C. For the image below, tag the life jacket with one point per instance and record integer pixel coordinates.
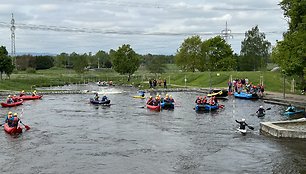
(15, 122)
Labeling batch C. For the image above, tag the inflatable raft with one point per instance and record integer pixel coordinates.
(12, 130)
(12, 104)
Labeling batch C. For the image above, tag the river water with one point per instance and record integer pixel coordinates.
(69, 135)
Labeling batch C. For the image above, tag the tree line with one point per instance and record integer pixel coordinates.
(194, 54)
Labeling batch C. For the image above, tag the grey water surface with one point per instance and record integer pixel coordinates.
(70, 135)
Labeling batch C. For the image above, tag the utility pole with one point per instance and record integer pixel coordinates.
(13, 51)
(226, 33)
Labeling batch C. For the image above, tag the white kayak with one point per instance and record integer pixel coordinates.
(243, 131)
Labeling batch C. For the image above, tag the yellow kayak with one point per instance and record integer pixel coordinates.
(214, 94)
(138, 96)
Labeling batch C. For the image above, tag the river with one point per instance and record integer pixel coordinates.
(70, 135)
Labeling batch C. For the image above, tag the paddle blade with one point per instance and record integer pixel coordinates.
(250, 127)
(268, 109)
(27, 127)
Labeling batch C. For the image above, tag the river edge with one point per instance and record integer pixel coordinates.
(268, 97)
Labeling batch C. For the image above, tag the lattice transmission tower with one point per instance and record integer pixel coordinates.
(13, 49)
(226, 33)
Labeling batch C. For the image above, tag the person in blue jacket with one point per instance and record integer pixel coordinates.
(290, 108)
(104, 98)
(9, 119)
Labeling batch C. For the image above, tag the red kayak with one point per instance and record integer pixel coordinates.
(28, 97)
(12, 130)
(12, 104)
(155, 108)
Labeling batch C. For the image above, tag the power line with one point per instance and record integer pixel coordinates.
(226, 32)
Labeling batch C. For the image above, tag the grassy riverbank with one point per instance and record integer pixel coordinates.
(53, 77)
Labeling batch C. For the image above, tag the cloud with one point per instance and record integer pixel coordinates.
(157, 27)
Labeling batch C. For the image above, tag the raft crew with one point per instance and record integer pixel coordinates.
(96, 97)
(150, 101)
(9, 99)
(9, 119)
(34, 93)
(15, 120)
(104, 98)
(22, 93)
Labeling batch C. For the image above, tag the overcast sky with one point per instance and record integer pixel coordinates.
(149, 26)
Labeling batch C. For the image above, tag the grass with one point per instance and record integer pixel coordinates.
(273, 81)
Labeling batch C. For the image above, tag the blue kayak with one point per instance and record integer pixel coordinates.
(293, 113)
(167, 105)
(245, 95)
(206, 107)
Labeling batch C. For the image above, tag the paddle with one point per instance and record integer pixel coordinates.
(250, 127)
(26, 126)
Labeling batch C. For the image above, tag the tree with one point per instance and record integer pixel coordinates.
(61, 60)
(103, 59)
(254, 50)
(290, 54)
(5, 63)
(217, 55)
(155, 64)
(125, 60)
(44, 62)
(189, 54)
(79, 62)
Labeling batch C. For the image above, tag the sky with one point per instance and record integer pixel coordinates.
(148, 26)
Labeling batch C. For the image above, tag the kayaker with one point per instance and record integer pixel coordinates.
(142, 93)
(22, 93)
(15, 120)
(290, 108)
(96, 97)
(34, 93)
(261, 110)
(9, 119)
(9, 99)
(242, 123)
(104, 98)
(150, 101)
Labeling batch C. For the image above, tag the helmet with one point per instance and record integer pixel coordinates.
(10, 113)
(243, 120)
(15, 114)
(9, 96)
(22, 91)
(150, 96)
(170, 96)
(260, 106)
(167, 95)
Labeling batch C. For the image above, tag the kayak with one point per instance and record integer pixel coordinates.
(12, 104)
(242, 131)
(167, 105)
(245, 95)
(28, 97)
(155, 108)
(12, 130)
(260, 115)
(295, 112)
(100, 102)
(138, 96)
(206, 107)
(218, 93)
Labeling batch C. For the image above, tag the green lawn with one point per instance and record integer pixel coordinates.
(273, 81)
